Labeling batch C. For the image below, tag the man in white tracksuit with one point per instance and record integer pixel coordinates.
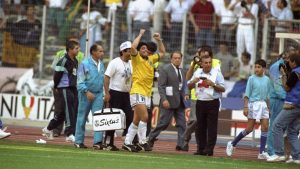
(247, 15)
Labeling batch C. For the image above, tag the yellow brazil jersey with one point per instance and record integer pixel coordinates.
(143, 74)
(216, 63)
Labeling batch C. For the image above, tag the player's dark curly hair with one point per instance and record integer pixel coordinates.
(152, 47)
(141, 44)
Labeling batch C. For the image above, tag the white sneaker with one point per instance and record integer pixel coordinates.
(70, 138)
(263, 156)
(276, 158)
(229, 149)
(47, 133)
(4, 134)
(5, 128)
(291, 161)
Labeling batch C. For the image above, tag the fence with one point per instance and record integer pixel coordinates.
(34, 44)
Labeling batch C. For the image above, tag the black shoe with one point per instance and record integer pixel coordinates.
(185, 148)
(138, 148)
(129, 147)
(209, 153)
(178, 148)
(151, 142)
(200, 153)
(111, 148)
(81, 145)
(98, 146)
(145, 147)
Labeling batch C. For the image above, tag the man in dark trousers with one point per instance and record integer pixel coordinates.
(65, 91)
(209, 84)
(172, 93)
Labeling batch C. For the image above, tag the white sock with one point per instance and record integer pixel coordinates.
(142, 132)
(132, 130)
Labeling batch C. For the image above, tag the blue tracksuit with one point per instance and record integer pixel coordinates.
(277, 97)
(89, 79)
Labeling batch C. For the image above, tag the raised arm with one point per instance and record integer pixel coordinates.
(160, 44)
(135, 43)
(190, 72)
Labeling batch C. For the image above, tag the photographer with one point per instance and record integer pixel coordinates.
(289, 116)
(278, 93)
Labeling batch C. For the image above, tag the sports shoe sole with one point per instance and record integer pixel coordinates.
(5, 136)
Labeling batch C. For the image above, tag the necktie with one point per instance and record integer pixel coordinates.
(178, 74)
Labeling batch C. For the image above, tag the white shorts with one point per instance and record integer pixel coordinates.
(258, 110)
(140, 99)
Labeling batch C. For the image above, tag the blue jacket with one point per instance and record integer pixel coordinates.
(277, 90)
(89, 78)
(293, 96)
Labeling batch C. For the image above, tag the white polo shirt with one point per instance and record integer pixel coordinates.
(203, 91)
(177, 10)
(141, 10)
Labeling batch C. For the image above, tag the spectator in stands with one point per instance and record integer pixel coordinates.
(296, 8)
(256, 101)
(247, 15)
(96, 23)
(289, 117)
(65, 87)
(2, 19)
(203, 18)
(209, 84)
(90, 94)
(228, 63)
(174, 13)
(244, 71)
(56, 18)
(227, 23)
(275, 11)
(141, 12)
(172, 91)
(283, 23)
(26, 33)
(3, 134)
(117, 85)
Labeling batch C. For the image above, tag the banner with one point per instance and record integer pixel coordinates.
(38, 108)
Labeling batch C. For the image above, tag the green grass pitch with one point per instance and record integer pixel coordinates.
(21, 155)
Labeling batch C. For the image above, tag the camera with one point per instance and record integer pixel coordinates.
(244, 4)
(196, 59)
(281, 65)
